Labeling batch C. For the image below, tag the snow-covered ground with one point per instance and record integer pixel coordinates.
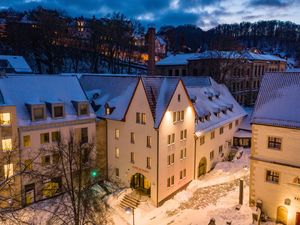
(216, 195)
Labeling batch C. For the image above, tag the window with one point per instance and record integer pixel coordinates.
(46, 160)
(221, 130)
(8, 170)
(178, 116)
(141, 118)
(117, 152)
(230, 126)
(5, 119)
(274, 143)
(117, 172)
(183, 153)
(202, 140)
(171, 139)
(28, 164)
(132, 157)
(83, 109)
(170, 181)
(272, 176)
(7, 144)
(182, 174)
(117, 134)
(178, 97)
(84, 135)
(212, 135)
(132, 138)
(55, 158)
(26, 141)
(55, 136)
(149, 141)
(171, 159)
(148, 162)
(44, 138)
(58, 111)
(182, 115)
(174, 117)
(108, 110)
(220, 149)
(236, 123)
(38, 113)
(212, 155)
(183, 134)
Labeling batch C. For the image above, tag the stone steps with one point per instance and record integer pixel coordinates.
(129, 202)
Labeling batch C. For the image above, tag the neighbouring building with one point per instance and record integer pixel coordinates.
(242, 137)
(14, 64)
(275, 158)
(240, 71)
(38, 111)
(218, 117)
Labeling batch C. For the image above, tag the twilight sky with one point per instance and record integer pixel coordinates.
(203, 13)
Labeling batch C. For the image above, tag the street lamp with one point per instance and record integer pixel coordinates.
(128, 210)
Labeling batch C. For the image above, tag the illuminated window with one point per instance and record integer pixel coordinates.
(28, 164)
(7, 144)
(38, 113)
(117, 134)
(117, 152)
(272, 176)
(143, 118)
(26, 141)
(5, 119)
(8, 170)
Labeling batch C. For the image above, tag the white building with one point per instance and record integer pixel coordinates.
(275, 158)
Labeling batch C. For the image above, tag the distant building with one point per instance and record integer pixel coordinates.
(275, 158)
(14, 64)
(240, 71)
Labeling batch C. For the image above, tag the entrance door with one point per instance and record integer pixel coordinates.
(282, 214)
(140, 182)
(202, 167)
(29, 194)
(298, 218)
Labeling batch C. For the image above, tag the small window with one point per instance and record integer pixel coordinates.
(212, 135)
(211, 155)
(172, 180)
(26, 141)
(117, 134)
(5, 119)
(174, 117)
(148, 162)
(138, 117)
(83, 109)
(149, 141)
(38, 113)
(117, 152)
(55, 158)
(230, 126)
(143, 118)
(132, 138)
(178, 97)
(171, 159)
(182, 115)
(8, 170)
(274, 143)
(108, 110)
(272, 176)
(46, 160)
(44, 138)
(221, 130)
(28, 165)
(58, 111)
(117, 171)
(7, 144)
(55, 136)
(84, 135)
(236, 123)
(132, 157)
(168, 182)
(202, 140)
(178, 116)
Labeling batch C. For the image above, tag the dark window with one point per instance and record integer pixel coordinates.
(183, 72)
(176, 72)
(272, 176)
(195, 72)
(179, 97)
(44, 138)
(83, 109)
(170, 72)
(38, 113)
(55, 136)
(58, 111)
(84, 135)
(274, 143)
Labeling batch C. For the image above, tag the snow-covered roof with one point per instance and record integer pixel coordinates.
(209, 99)
(17, 63)
(19, 90)
(178, 59)
(161, 40)
(278, 102)
(159, 91)
(293, 70)
(242, 134)
(109, 90)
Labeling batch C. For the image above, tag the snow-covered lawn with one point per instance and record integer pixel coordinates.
(215, 195)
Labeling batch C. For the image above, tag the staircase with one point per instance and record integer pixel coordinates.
(130, 201)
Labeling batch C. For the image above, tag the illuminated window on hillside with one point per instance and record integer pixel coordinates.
(5, 119)
(7, 144)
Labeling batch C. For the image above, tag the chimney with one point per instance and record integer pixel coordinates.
(151, 50)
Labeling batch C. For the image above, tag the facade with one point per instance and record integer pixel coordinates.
(274, 165)
(241, 72)
(41, 113)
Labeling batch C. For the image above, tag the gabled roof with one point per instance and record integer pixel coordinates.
(19, 90)
(109, 90)
(208, 98)
(278, 102)
(178, 59)
(17, 63)
(159, 91)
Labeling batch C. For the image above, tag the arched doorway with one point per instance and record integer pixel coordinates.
(202, 167)
(282, 215)
(141, 183)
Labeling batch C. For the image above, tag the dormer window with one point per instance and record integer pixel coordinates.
(58, 111)
(38, 113)
(202, 119)
(207, 117)
(217, 114)
(108, 110)
(83, 109)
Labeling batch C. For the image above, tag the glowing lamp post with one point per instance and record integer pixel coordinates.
(128, 210)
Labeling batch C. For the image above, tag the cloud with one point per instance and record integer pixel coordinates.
(272, 3)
